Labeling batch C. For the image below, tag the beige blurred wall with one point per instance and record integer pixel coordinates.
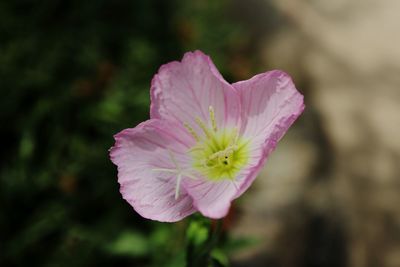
(341, 161)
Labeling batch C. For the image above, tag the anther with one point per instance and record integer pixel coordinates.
(192, 132)
(212, 117)
(203, 127)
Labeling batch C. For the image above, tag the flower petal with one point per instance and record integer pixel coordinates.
(259, 153)
(270, 104)
(138, 153)
(184, 91)
(212, 199)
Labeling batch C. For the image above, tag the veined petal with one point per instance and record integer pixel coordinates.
(270, 104)
(184, 92)
(259, 153)
(212, 199)
(141, 154)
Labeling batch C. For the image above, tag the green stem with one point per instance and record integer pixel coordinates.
(200, 256)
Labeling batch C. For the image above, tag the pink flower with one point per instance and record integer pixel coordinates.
(206, 139)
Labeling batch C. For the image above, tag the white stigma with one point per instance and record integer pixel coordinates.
(180, 173)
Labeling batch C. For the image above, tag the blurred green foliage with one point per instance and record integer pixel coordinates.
(72, 74)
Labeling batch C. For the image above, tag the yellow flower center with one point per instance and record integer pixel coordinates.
(221, 154)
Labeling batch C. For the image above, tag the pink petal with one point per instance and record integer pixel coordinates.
(259, 153)
(140, 150)
(212, 199)
(270, 104)
(182, 91)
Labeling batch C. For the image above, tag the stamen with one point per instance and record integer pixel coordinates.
(196, 149)
(223, 154)
(236, 136)
(203, 127)
(215, 155)
(212, 117)
(230, 149)
(226, 152)
(192, 132)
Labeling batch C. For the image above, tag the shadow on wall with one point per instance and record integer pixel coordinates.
(329, 194)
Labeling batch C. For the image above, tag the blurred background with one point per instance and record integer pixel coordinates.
(73, 73)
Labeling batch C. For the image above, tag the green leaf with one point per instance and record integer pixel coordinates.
(220, 256)
(129, 243)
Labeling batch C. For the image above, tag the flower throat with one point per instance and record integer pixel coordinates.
(221, 153)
